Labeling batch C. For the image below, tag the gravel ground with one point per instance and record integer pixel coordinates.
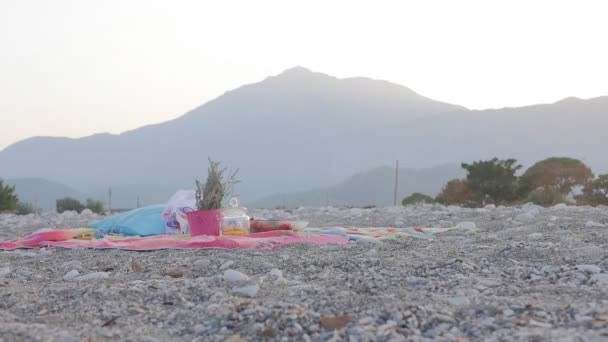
(525, 273)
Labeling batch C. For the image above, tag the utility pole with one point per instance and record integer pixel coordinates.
(110, 200)
(396, 182)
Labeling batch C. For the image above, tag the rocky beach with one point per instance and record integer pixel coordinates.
(515, 273)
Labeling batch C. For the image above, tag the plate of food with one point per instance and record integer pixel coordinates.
(259, 226)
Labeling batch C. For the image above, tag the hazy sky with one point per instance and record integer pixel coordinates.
(73, 68)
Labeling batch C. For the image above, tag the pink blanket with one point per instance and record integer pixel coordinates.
(83, 238)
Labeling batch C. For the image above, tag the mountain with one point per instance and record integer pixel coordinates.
(375, 186)
(303, 130)
(297, 125)
(42, 193)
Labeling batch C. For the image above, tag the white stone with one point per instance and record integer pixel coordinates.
(560, 206)
(490, 206)
(535, 236)
(87, 212)
(529, 216)
(92, 276)
(532, 208)
(201, 264)
(466, 225)
(591, 269)
(226, 265)
(546, 269)
(72, 264)
(600, 278)
(71, 275)
(594, 224)
(249, 290)
(281, 281)
(276, 273)
(232, 275)
(508, 312)
(4, 271)
(459, 300)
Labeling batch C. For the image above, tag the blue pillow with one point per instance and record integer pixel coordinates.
(144, 221)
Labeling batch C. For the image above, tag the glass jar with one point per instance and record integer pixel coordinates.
(236, 220)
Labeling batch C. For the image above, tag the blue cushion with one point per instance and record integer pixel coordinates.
(144, 221)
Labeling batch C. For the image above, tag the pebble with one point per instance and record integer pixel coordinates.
(590, 269)
(367, 320)
(72, 264)
(600, 278)
(201, 264)
(546, 269)
(23, 274)
(174, 272)
(232, 275)
(589, 224)
(535, 236)
(459, 300)
(265, 266)
(508, 312)
(226, 265)
(285, 257)
(248, 290)
(529, 216)
(276, 273)
(466, 225)
(92, 276)
(71, 275)
(281, 282)
(4, 271)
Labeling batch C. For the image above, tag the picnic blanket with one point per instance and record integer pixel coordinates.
(86, 238)
(91, 238)
(377, 233)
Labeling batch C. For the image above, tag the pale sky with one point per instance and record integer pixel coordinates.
(73, 68)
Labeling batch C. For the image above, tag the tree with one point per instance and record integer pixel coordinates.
(417, 198)
(455, 192)
(8, 198)
(595, 192)
(95, 206)
(492, 181)
(68, 203)
(558, 173)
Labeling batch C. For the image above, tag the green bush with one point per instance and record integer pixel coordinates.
(24, 208)
(95, 206)
(417, 198)
(546, 197)
(455, 192)
(595, 192)
(8, 198)
(68, 203)
(492, 181)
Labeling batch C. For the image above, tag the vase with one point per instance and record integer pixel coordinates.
(205, 222)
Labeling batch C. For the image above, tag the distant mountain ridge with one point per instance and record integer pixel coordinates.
(302, 130)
